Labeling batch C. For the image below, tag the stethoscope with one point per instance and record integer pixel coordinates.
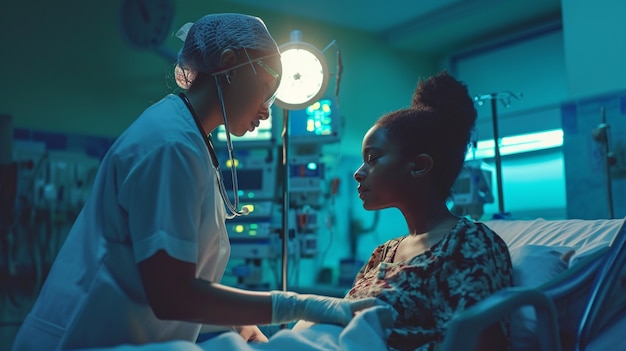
(233, 208)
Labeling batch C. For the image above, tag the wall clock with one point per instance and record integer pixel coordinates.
(147, 23)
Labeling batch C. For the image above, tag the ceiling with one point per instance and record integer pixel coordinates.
(426, 26)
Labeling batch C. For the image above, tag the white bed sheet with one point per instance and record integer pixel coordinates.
(583, 235)
(366, 331)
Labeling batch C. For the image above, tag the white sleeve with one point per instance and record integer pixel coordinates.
(162, 194)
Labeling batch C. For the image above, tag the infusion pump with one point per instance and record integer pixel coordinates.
(472, 189)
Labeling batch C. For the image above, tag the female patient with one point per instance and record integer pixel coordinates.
(444, 264)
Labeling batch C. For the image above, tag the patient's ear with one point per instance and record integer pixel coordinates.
(421, 165)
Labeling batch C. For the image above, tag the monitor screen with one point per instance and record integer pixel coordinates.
(263, 135)
(254, 182)
(247, 179)
(462, 185)
(318, 123)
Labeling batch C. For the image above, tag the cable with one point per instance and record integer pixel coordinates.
(339, 73)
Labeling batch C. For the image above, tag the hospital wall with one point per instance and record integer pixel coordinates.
(72, 72)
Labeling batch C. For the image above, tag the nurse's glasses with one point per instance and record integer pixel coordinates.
(270, 96)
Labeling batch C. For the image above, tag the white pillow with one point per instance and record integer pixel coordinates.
(533, 265)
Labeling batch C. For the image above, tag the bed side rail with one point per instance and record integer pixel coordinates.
(608, 295)
(465, 328)
(575, 276)
(570, 292)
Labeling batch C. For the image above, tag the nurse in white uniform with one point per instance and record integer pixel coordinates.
(143, 261)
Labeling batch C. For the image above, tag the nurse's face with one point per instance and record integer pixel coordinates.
(253, 84)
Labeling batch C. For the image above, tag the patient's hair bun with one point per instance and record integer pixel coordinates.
(448, 98)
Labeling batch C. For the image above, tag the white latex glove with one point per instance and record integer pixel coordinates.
(289, 307)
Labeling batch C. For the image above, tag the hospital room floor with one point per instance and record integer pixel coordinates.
(16, 303)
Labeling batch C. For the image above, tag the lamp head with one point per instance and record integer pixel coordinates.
(305, 75)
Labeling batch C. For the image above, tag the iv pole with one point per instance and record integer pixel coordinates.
(505, 98)
(294, 93)
(285, 168)
(601, 134)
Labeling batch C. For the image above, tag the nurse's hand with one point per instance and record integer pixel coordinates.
(289, 306)
(251, 333)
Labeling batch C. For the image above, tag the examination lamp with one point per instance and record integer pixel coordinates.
(305, 74)
(304, 81)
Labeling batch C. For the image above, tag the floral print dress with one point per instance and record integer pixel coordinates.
(470, 263)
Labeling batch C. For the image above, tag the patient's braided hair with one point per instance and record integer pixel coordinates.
(439, 123)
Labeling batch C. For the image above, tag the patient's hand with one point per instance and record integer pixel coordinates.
(251, 333)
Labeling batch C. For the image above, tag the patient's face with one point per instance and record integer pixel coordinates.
(384, 174)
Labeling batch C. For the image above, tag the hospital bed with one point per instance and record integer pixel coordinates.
(554, 306)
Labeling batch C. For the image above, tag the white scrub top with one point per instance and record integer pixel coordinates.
(155, 190)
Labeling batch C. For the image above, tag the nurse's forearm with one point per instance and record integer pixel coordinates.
(174, 293)
(212, 303)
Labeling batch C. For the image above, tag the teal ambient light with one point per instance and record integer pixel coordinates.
(517, 144)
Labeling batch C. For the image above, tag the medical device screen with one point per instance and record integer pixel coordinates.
(318, 123)
(263, 135)
(247, 179)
